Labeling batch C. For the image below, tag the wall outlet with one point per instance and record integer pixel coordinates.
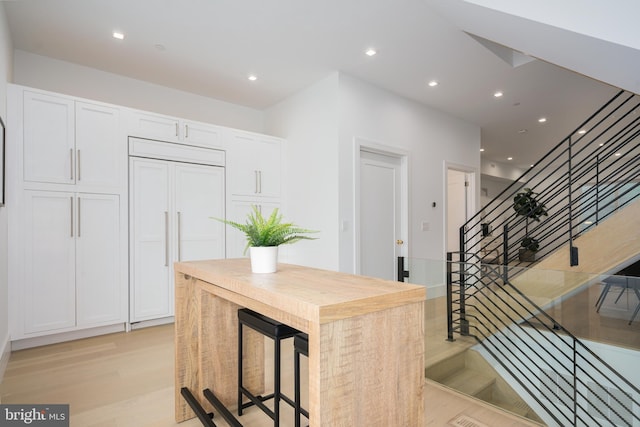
(424, 226)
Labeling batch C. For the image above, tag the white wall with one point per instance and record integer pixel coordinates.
(65, 77)
(6, 61)
(309, 121)
(320, 124)
(431, 138)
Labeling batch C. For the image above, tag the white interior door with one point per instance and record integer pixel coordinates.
(459, 205)
(380, 214)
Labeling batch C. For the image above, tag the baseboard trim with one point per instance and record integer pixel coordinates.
(154, 322)
(66, 336)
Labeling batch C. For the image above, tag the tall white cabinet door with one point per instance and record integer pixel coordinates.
(48, 139)
(49, 288)
(152, 294)
(98, 272)
(99, 153)
(199, 197)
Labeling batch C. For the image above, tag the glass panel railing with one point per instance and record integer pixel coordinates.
(566, 343)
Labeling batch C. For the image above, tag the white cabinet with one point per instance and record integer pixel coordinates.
(171, 129)
(72, 142)
(172, 205)
(100, 149)
(49, 139)
(73, 262)
(255, 165)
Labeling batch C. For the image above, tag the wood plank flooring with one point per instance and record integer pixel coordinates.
(126, 380)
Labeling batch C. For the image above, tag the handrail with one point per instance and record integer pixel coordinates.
(512, 327)
(569, 182)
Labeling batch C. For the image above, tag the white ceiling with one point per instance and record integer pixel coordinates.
(209, 47)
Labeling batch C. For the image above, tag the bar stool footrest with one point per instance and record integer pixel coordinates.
(224, 412)
(205, 418)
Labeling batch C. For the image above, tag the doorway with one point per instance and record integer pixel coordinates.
(460, 204)
(381, 213)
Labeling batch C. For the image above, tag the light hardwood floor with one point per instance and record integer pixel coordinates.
(126, 379)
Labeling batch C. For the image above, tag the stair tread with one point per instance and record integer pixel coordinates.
(469, 381)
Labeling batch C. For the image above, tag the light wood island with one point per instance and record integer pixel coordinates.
(366, 339)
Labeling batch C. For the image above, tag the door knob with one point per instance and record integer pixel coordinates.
(400, 242)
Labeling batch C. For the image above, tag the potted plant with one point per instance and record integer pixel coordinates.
(264, 235)
(525, 204)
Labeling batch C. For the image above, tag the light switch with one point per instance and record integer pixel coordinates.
(424, 226)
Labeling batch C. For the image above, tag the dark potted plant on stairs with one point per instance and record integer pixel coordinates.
(525, 204)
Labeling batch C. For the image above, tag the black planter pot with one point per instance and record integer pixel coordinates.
(526, 255)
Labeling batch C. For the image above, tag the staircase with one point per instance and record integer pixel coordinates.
(588, 184)
(469, 373)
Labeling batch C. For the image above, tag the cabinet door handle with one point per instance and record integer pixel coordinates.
(186, 131)
(166, 239)
(177, 129)
(71, 222)
(71, 163)
(259, 182)
(78, 164)
(179, 238)
(79, 229)
(255, 186)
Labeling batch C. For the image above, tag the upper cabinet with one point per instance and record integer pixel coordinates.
(254, 163)
(71, 142)
(171, 129)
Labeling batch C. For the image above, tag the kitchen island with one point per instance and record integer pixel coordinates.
(366, 339)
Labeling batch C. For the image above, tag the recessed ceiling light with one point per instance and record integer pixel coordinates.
(370, 52)
(252, 77)
(542, 119)
(523, 131)
(433, 83)
(601, 144)
(618, 154)
(482, 150)
(160, 47)
(531, 165)
(118, 35)
(498, 94)
(509, 158)
(582, 131)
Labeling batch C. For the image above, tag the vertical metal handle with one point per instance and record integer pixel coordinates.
(179, 239)
(71, 163)
(259, 182)
(71, 210)
(177, 129)
(166, 239)
(79, 220)
(186, 131)
(78, 164)
(255, 176)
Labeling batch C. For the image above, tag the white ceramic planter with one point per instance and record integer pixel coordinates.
(264, 259)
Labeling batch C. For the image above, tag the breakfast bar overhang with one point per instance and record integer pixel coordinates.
(366, 339)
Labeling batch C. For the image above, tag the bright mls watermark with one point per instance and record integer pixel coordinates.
(34, 415)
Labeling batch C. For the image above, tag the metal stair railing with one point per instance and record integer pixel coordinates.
(572, 384)
(582, 180)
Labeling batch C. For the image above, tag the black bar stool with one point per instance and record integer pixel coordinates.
(300, 346)
(277, 332)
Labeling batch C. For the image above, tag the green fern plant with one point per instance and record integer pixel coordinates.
(271, 231)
